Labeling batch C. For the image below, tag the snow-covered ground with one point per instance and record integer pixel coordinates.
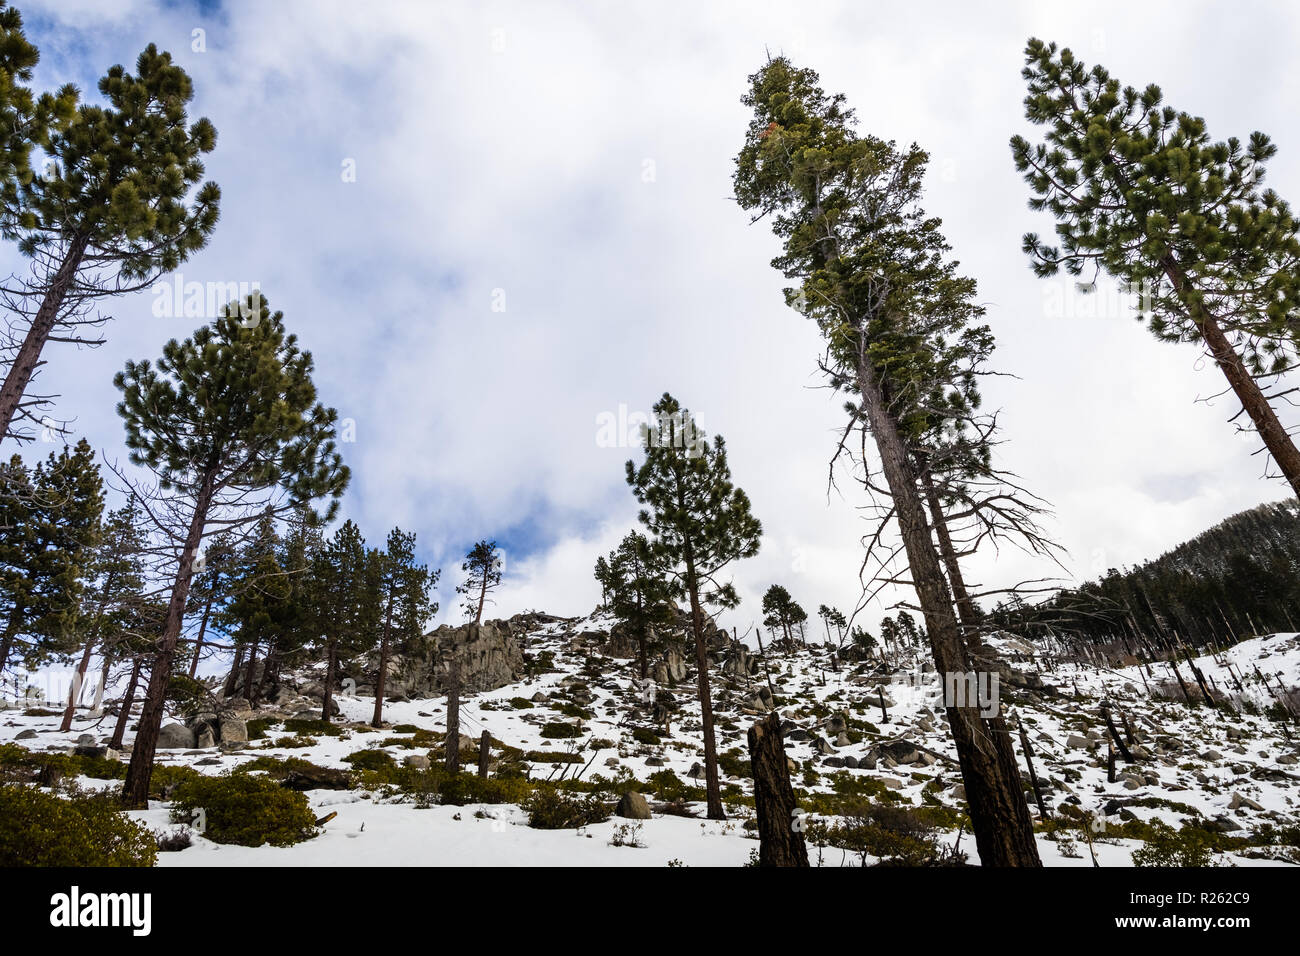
(1238, 770)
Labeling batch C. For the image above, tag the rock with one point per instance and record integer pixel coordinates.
(633, 806)
(175, 737)
(206, 739)
(843, 740)
(654, 761)
(1131, 784)
(1212, 756)
(89, 750)
(1078, 743)
(29, 734)
(490, 655)
(86, 740)
(823, 746)
(233, 730)
(538, 698)
(208, 762)
(851, 763)
(836, 725)
(1238, 801)
(417, 762)
(611, 761)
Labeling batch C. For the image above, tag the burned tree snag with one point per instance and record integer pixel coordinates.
(780, 831)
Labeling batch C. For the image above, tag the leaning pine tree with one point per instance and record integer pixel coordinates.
(111, 213)
(867, 260)
(227, 420)
(1140, 191)
(699, 523)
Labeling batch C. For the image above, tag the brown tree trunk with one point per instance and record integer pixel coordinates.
(482, 598)
(135, 792)
(712, 784)
(1004, 833)
(1033, 777)
(29, 353)
(961, 596)
(128, 699)
(484, 753)
(780, 832)
(198, 643)
(331, 670)
(378, 719)
(1247, 390)
(452, 760)
(249, 667)
(75, 690)
(232, 679)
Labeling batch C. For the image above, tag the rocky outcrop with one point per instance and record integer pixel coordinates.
(490, 655)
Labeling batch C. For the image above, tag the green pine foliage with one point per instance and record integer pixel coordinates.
(49, 528)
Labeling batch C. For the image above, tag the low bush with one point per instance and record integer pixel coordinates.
(244, 810)
(40, 829)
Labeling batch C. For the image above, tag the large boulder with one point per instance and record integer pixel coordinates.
(175, 737)
(633, 806)
(233, 730)
(489, 656)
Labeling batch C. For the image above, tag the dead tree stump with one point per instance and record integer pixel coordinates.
(780, 831)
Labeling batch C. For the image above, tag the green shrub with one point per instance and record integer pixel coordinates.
(187, 694)
(561, 731)
(39, 829)
(305, 725)
(643, 735)
(257, 728)
(244, 810)
(550, 808)
(370, 760)
(520, 703)
(1165, 846)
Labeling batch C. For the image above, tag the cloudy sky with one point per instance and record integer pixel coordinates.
(495, 223)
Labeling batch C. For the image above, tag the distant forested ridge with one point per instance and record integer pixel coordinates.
(1238, 579)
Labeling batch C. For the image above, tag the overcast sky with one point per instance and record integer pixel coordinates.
(572, 162)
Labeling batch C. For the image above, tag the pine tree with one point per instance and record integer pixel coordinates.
(639, 594)
(25, 119)
(49, 525)
(405, 595)
(1140, 191)
(260, 591)
(345, 590)
(482, 566)
(210, 591)
(699, 523)
(227, 420)
(115, 574)
(871, 268)
(781, 611)
(111, 212)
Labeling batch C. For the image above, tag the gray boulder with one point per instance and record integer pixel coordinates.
(633, 806)
(175, 737)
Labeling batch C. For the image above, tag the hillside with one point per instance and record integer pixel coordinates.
(870, 733)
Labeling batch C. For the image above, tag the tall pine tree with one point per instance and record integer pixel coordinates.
(699, 523)
(227, 420)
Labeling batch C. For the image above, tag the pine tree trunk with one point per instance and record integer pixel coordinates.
(232, 679)
(29, 353)
(452, 759)
(482, 598)
(712, 784)
(484, 754)
(331, 669)
(198, 643)
(135, 792)
(1004, 834)
(780, 835)
(378, 719)
(128, 699)
(1247, 390)
(75, 690)
(249, 667)
(961, 596)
